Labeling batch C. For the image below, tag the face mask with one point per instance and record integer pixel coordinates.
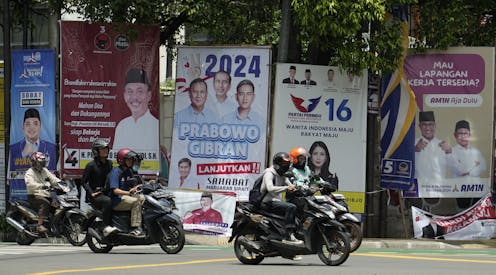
(136, 167)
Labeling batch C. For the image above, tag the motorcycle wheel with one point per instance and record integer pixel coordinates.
(338, 250)
(356, 234)
(74, 230)
(93, 243)
(24, 239)
(173, 239)
(245, 256)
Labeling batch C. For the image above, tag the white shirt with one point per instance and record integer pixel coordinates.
(140, 136)
(189, 115)
(222, 108)
(430, 163)
(190, 182)
(463, 160)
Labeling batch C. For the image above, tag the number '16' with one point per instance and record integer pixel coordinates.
(343, 113)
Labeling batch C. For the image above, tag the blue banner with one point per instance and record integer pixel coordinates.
(33, 117)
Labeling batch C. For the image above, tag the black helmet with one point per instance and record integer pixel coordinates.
(38, 160)
(97, 145)
(281, 162)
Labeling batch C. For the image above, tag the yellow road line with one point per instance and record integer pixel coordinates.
(131, 266)
(422, 258)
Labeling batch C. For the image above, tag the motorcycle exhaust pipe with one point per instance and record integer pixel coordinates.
(15, 224)
(249, 245)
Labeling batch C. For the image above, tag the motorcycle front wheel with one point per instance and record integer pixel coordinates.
(356, 234)
(173, 238)
(74, 230)
(243, 254)
(337, 250)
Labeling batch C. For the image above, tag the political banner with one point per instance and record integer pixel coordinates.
(476, 223)
(220, 118)
(324, 110)
(110, 90)
(454, 92)
(33, 129)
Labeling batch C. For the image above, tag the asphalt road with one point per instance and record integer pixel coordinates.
(195, 259)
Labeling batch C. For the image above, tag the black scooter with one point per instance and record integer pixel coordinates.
(160, 224)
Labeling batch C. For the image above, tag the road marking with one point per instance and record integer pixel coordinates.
(124, 267)
(422, 258)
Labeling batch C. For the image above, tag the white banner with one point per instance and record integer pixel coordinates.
(219, 136)
(329, 110)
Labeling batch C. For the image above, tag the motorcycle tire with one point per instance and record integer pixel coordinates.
(93, 243)
(74, 230)
(24, 239)
(245, 256)
(356, 233)
(338, 251)
(173, 238)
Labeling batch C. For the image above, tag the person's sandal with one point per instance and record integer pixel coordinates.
(41, 229)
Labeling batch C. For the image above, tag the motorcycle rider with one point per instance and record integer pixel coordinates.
(274, 184)
(123, 186)
(94, 179)
(38, 180)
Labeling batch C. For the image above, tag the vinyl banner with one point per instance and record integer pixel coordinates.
(220, 118)
(325, 111)
(454, 91)
(32, 103)
(476, 223)
(110, 90)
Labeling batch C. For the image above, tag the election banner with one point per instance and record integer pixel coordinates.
(110, 90)
(454, 92)
(210, 213)
(476, 223)
(33, 129)
(220, 118)
(324, 111)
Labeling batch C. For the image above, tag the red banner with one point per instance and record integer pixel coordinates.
(110, 90)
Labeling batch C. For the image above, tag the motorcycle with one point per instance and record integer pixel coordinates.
(65, 218)
(160, 224)
(258, 234)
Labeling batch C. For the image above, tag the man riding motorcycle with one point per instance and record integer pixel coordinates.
(123, 186)
(274, 184)
(38, 180)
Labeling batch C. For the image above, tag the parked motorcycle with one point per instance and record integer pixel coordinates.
(65, 218)
(160, 224)
(258, 234)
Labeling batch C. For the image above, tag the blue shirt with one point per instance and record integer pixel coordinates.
(188, 115)
(122, 179)
(233, 118)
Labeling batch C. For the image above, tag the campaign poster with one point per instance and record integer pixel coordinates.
(220, 118)
(109, 90)
(476, 223)
(33, 123)
(454, 92)
(324, 110)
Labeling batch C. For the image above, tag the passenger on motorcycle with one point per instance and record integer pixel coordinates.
(94, 179)
(300, 169)
(274, 184)
(123, 186)
(38, 180)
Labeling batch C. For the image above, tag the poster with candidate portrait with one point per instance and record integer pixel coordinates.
(220, 118)
(33, 103)
(109, 91)
(454, 92)
(324, 110)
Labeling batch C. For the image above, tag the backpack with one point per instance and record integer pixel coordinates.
(255, 196)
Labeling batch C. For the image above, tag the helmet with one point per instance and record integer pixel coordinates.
(97, 145)
(126, 153)
(281, 162)
(38, 160)
(295, 153)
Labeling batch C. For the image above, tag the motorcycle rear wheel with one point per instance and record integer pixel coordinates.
(356, 234)
(74, 230)
(338, 250)
(24, 239)
(245, 256)
(173, 239)
(93, 243)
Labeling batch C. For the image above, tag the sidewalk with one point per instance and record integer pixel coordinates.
(368, 243)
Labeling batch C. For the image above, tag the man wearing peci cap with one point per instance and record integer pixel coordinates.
(431, 153)
(139, 130)
(291, 79)
(308, 80)
(465, 160)
(205, 214)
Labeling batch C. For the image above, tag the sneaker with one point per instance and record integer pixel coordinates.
(297, 258)
(292, 240)
(108, 230)
(137, 231)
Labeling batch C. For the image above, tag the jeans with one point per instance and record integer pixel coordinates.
(284, 208)
(104, 204)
